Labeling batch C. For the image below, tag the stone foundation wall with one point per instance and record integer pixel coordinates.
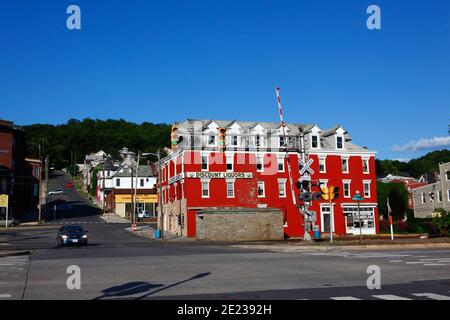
(240, 224)
(171, 212)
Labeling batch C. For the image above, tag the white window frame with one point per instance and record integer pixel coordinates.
(232, 181)
(346, 158)
(448, 195)
(207, 181)
(366, 160)
(324, 159)
(367, 182)
(283, 182)
(263, 189)
(229, 159)
(439, 196)
(117, 182)
(280, 160)
(204, 154)
(344, 183)
(423, 197)
(259, 156)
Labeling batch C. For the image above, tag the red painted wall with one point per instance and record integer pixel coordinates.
(246, 189)
(6, 142)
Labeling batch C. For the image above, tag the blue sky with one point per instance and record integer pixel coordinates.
(164, 61)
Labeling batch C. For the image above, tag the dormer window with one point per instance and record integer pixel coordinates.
(339, 142)
(234, 141)
(315, 141)
(282, 141)
(257, 141)
(212, 140)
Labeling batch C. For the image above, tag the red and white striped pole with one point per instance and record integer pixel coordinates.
(283, 126)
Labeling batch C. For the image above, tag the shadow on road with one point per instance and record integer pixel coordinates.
(133, 288)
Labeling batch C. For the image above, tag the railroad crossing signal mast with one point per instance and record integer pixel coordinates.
(305, 176)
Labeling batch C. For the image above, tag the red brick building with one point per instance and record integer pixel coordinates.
(232, 164)
(19, 178)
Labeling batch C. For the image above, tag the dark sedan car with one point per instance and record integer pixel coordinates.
(71, 235)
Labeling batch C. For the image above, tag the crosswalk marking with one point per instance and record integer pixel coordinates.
(390, 297)
(432, 296)
(344, 298)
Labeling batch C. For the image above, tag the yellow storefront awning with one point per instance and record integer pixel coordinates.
(140, 198)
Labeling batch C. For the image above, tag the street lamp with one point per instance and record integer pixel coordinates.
(160, 225)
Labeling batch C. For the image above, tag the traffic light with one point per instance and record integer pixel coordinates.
(306, 196)
(302, 185)
(175, 137)
(221, 133)
(336, 193)
(329, 193)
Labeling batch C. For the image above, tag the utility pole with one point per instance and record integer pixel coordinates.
(135, 189)
(40, 187)
(132, 192)
(46, 181)
(161, 213)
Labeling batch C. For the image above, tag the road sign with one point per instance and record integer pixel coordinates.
(305, 177)
(306, 166)
(357, 197)
(3, 201)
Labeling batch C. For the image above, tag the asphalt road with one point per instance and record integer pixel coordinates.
(119, 265)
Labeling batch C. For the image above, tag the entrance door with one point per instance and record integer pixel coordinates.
(326, 220)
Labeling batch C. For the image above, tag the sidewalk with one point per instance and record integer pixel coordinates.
(148, 231)
(114, 218)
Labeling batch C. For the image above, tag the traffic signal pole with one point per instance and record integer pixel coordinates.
(330, 193)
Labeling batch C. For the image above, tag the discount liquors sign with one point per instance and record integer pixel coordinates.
(220, 175)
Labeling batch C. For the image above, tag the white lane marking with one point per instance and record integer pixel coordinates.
(390, 297)
(344, 298)
(415, 262)
(435, 259)
(435, 264)
(395, 261)
(432, 296)
(5, 296)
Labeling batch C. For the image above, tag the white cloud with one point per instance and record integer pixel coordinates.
(423, 144)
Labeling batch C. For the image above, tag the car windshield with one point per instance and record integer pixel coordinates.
(73, 229)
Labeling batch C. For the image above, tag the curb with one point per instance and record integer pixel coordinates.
(357, 247)
(15, 253)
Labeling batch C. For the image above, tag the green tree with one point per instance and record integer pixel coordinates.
(70, 142)
(398, 199)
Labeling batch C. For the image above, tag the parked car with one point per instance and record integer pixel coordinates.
(69, 185)
(11, 223)
(143, 214)
(56, 192)
(72, 235)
